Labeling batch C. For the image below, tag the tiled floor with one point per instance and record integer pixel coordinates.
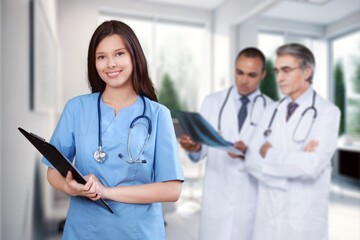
(183, 222)
(344, 210)
(344, 213)
(182, 218)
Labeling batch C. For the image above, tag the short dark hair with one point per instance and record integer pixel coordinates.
(252, 52)
(141, 81)
(306, 57)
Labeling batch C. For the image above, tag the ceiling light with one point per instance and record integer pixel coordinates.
(316, 2)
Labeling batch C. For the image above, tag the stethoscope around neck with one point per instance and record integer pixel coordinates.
(252, 122)
(100, 155)
(312, 109)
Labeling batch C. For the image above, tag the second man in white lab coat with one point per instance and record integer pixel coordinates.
(229, 193)
(290, 154)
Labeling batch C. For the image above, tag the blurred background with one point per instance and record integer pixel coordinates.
(190, 47)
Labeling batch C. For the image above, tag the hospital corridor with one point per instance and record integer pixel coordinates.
(192, 119)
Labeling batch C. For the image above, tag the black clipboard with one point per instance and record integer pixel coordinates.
(59, 161)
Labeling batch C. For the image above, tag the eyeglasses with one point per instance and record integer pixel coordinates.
(285, 70)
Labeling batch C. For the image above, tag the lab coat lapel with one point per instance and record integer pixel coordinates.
(294, 120)
(229, 120)
(255, 111)
(281, 128)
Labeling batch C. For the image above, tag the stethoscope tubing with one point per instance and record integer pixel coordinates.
(222, 108)
(251, 111)
(268, 130)
(252, 123)
(100, 155)
(99, 122)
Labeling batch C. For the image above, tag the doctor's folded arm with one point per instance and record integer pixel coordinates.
(290, 154)
(229, 192)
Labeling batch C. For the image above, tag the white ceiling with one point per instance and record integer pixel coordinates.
(293, 10)
(203, 4)
(327, 13)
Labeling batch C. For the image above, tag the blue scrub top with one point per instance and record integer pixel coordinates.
(76, 136)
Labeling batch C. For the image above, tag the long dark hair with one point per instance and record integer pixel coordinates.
(141, 81)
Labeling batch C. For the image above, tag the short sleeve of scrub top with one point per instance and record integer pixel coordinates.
(166, 149)
(63, 135)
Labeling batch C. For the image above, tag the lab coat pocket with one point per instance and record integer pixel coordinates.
(307, 200)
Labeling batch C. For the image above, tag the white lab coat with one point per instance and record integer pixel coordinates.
(229, 193)
(294, 185)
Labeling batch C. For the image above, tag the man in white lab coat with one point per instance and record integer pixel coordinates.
(229, 193)
(290, 155)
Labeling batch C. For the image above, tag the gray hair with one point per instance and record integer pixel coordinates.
(306, 57)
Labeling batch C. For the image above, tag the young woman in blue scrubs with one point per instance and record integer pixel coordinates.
(132, 173)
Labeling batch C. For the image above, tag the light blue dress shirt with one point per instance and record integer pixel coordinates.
(76, 136)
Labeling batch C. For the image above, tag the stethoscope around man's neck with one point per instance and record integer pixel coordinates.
(312, 108)
(100, 155)
(252, 123)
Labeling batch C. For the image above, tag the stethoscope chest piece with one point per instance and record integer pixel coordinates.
(100, 155)
(267, 132)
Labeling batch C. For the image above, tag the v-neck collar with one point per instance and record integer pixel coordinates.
(108, 113)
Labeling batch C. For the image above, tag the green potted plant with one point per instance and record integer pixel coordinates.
(340, 94)
(268, 85)
(168, 96)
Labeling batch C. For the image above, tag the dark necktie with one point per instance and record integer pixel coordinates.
(291, 109)
(242, 112)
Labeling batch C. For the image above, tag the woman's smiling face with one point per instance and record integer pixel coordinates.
(113, 62)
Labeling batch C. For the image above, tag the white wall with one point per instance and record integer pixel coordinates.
(235, 27)
(343, 26)
(17, 155)
(247, 33)
(226, 39)
(78, 20)
(291, 27)
(1, 111)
